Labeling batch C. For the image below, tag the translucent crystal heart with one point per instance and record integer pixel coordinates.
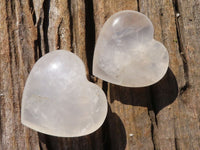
(126, 53)
(59, 100)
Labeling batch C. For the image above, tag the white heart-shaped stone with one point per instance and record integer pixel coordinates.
(126, 53)
(58, 99)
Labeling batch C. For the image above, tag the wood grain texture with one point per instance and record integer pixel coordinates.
(164, 116)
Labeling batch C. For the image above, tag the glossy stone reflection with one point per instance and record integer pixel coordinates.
(59, 100)
(126, 53)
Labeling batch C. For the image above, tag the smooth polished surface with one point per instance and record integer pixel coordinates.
(59, 100)
(126, 53)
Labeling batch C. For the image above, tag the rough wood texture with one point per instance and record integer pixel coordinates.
(164, 116)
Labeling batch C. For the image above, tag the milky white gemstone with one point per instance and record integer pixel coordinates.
(126, 53)
(59, 100)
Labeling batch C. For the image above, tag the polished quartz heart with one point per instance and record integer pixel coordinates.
(59, 100)
(126, 53)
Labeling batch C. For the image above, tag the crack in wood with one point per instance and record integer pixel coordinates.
(37, 43)
(59, 35)
(90, 33)
(46, 7)
(138, 5)
(152, 136)
(32, 11)
(70, 25)
(152, 119)
(176, 143)
(181, 49)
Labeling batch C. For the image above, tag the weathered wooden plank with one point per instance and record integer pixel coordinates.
(67, 30)
(125, 103)
(17, 58)
(189, 37)
(162, 15)
(163, 116)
